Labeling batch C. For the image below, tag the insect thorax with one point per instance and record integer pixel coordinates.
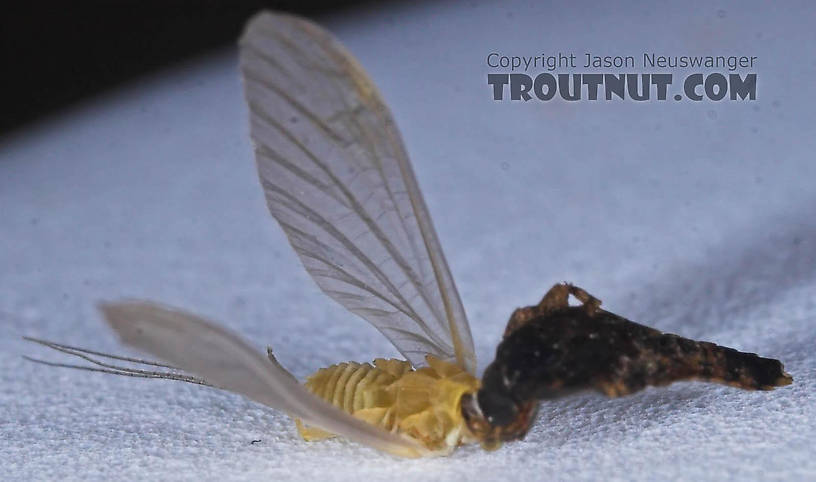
(424, 404)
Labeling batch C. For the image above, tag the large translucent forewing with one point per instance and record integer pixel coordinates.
(337, 178)
(198, 346)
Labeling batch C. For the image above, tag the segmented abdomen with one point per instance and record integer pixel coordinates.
(424, 404)
(358, 388)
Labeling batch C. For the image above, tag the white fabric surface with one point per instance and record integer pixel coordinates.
(694, 218)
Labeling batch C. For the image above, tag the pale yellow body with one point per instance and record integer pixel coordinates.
(423, 404)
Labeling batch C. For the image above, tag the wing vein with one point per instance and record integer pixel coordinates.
(329, 228)
(342, 187)
(355, 205)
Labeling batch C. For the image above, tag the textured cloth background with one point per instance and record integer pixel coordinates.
(693, 217)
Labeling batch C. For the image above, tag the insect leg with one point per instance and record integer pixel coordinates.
(519, 318)
(557, 298)
(271, 356)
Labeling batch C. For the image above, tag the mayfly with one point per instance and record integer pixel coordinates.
(338, 180)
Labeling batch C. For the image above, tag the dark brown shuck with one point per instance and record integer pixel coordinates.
(552, 349)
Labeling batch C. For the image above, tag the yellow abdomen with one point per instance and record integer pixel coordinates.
(423, 404)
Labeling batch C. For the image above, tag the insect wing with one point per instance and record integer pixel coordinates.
(338, 180)
(198, 346)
